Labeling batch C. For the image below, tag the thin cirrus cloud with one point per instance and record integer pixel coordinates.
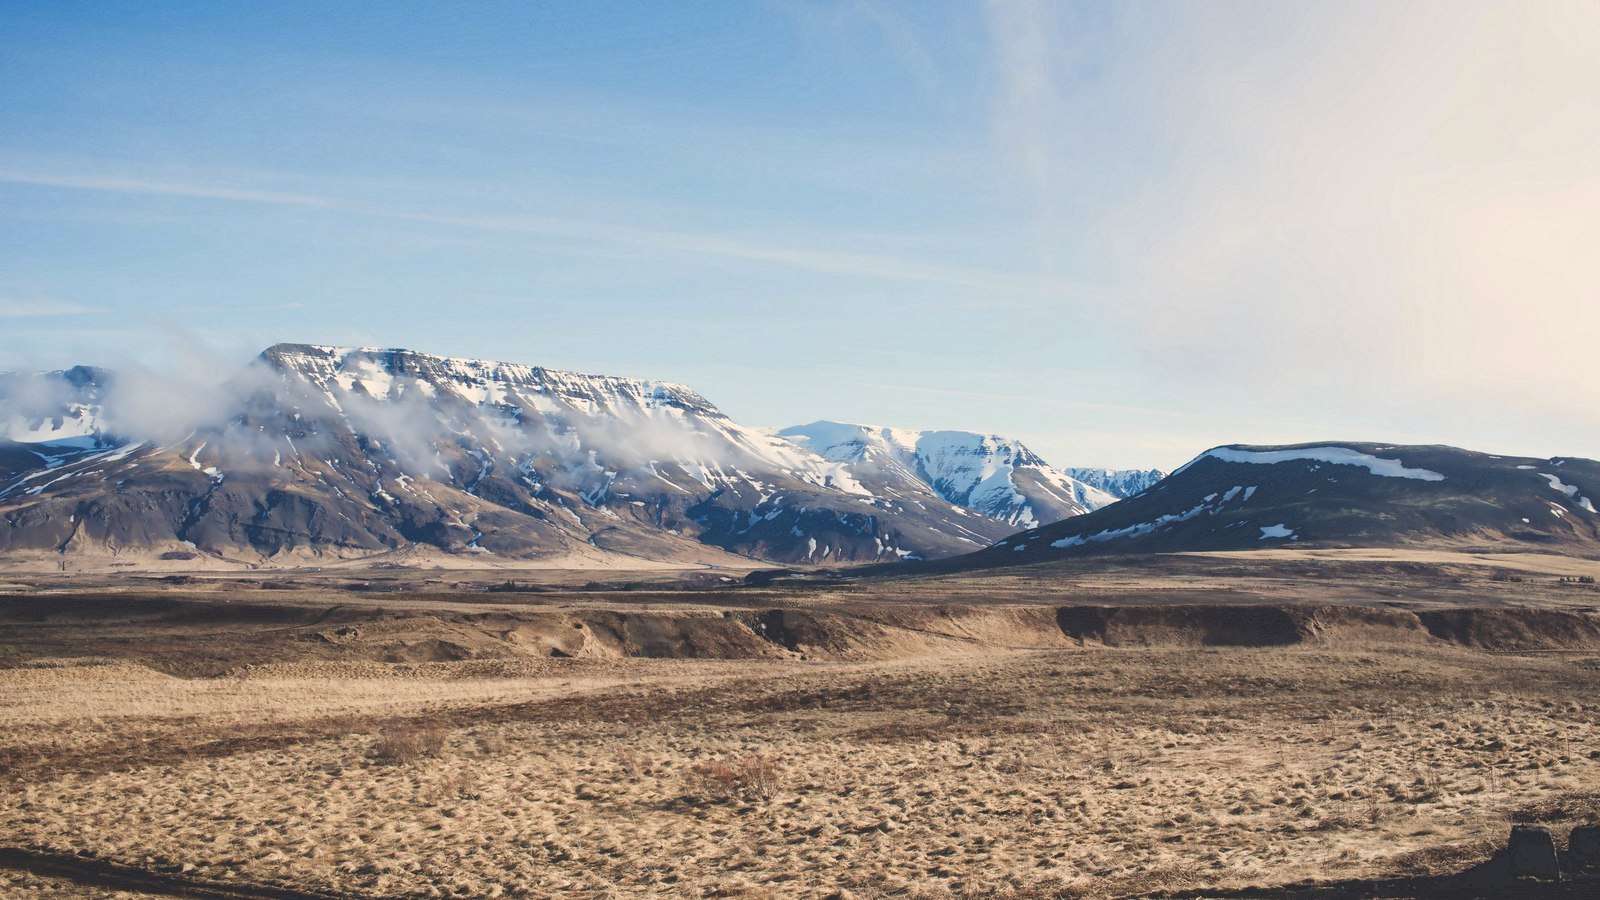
(842, 262)
(42, 308)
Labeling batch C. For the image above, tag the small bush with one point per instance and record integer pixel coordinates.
(753, 776)
(493, 743)
(455, 786)
(406, 743)
(634, 764)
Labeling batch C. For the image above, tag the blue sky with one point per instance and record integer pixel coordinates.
(1122, 233)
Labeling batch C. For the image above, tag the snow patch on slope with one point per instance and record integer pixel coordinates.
(1339, 456)
(1563, 487)
(1132, 531)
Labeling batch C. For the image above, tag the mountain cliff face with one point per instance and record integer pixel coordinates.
(987, 474)
(322, 452)
(1338, 495)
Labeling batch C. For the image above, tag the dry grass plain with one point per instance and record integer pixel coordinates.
(982, 757)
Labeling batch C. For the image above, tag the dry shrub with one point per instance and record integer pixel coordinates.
(493, 744)
(634, 764)
(405, 743)
(1157, 879)
(1447, 858)
(1011, 764)
(753, 776)
(455, 786)
(1567, 807)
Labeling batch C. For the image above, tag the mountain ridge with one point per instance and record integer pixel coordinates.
(323, 452)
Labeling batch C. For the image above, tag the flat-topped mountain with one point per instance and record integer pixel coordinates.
(1339, 495)
(318, 452)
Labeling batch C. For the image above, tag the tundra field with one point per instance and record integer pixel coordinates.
(1181, 726)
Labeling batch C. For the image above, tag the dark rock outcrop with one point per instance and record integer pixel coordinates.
(1583, 849)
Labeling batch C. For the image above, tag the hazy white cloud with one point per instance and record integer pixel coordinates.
(1373, 202)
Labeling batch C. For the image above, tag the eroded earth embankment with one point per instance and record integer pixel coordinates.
(200, 637)
(1498, 628)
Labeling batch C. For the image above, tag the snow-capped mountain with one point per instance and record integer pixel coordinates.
(990, 475)
(1338, 495)
(1119, 483)
(330, 452)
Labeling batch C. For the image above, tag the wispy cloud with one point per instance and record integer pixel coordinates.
(890, 31)
(41, 308)
(122, 185)
(815, 259)
(1028, 107)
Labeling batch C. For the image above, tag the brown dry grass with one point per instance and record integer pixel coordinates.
(1083, 772)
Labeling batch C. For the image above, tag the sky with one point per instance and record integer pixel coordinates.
(1120, 232)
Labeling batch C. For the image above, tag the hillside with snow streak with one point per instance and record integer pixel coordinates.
(1337, 495)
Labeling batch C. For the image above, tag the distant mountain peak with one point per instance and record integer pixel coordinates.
(989, 474)
(1118, 483)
